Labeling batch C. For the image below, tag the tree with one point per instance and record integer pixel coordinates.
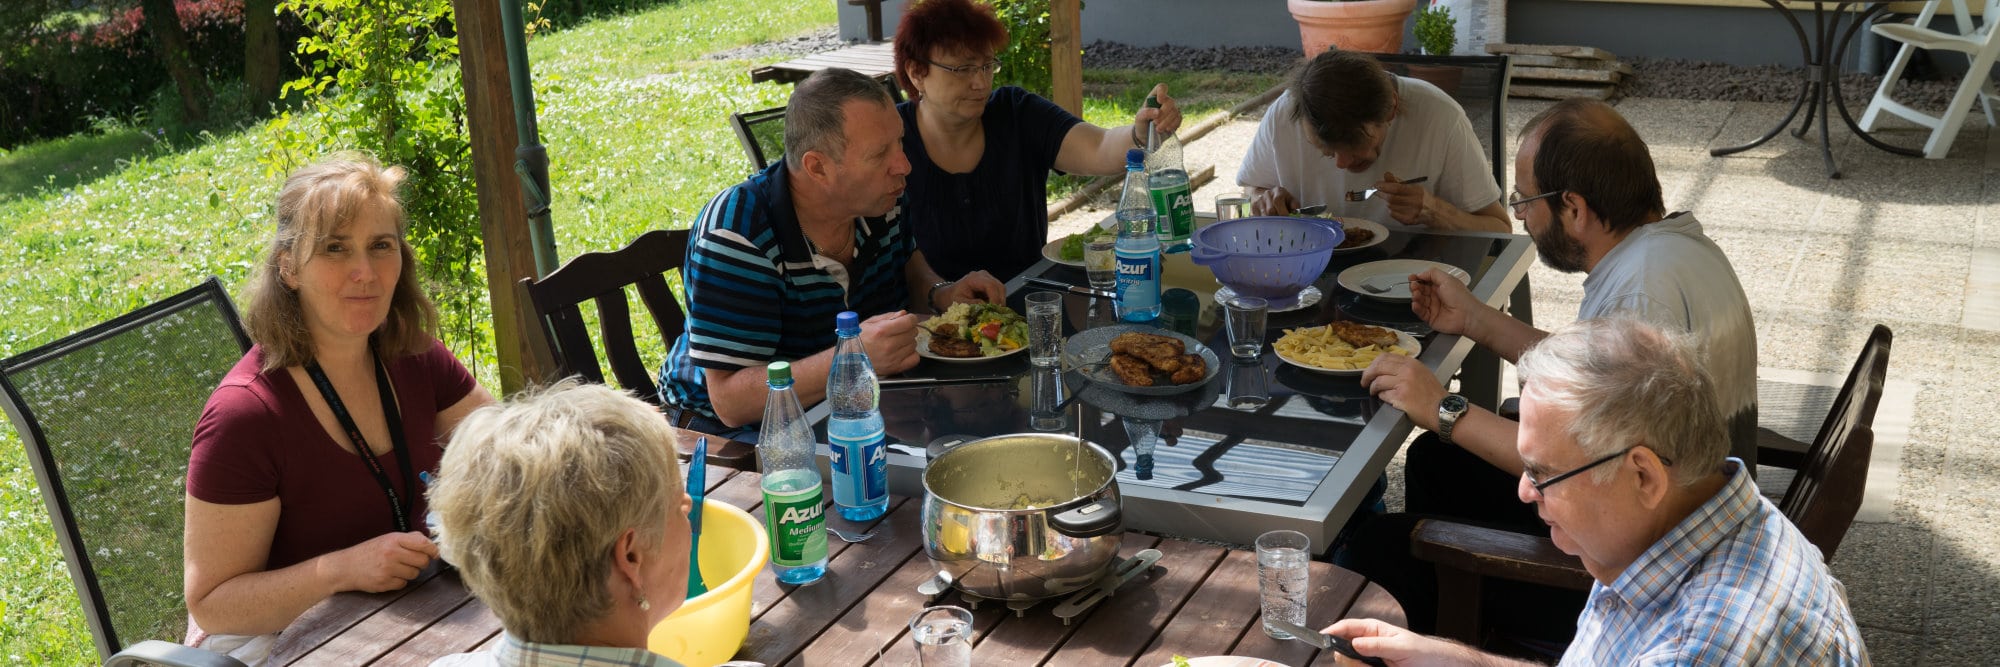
(171, 42)
(261, 55)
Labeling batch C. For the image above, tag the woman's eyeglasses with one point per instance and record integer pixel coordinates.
(988, 68)
(1515, 200)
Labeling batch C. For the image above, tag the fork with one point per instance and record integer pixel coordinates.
(1375, 287)
(1363, 195)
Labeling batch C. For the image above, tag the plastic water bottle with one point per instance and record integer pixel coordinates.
(793, 505)
(860, 464)
(1167, 181)
(1138, 245)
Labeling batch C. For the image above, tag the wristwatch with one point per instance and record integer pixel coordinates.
(1450, 408)
(931, 299)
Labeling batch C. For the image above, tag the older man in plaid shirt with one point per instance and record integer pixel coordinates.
(1693, 567)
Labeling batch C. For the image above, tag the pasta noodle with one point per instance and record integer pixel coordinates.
(1319, 348)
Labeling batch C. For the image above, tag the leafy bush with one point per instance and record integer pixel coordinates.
(61, 77)
(389, 84)
(1025, 62)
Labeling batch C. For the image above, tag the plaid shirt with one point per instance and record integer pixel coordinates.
(1734, 584)
(515, 653)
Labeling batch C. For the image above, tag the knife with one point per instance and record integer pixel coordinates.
(971, 379)
(1324, 641)
(1073, 289)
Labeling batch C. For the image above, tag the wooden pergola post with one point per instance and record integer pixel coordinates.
(489, 109)
(1066, 54)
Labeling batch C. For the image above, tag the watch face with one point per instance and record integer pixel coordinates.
(1452, 403)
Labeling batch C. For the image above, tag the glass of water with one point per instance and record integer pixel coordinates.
(1044, 328)
(1100, 261)
(943, 636)
(1246, 316)
(1282, 579)
(1048, 388)
(1230, 206)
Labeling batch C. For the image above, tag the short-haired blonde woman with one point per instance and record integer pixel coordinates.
(565, 513)
(304, 478)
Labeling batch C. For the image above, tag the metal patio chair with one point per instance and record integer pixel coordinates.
(107, 416)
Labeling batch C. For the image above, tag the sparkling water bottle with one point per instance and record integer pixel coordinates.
(792, 500)
(1138, 246)
(860, 464)
(1167, 183)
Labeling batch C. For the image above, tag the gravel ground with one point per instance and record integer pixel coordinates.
(1652, 77)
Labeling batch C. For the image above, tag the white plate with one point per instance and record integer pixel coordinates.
(1380, 232)
(1397, 270)
(1403, 340)
(1053, 253)
(924, 350)
(1228, 661)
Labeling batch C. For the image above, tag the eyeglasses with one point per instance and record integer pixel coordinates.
(988, 68)
(1515, 200)
(1542, 486)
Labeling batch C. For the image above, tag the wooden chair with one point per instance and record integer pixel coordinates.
(762, 134)
(602, 277)
(107, 416)
(1821, 501)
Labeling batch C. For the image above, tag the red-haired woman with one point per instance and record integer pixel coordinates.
(980, 157)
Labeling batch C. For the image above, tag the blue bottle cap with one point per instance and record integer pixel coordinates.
(1135, 156)
(846, 322)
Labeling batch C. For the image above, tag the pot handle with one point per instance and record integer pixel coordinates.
(1092, 519)
(1204, 255)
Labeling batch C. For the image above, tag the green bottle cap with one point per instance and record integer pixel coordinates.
(780, 372)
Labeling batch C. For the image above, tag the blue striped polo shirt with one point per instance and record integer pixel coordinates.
(756, 293)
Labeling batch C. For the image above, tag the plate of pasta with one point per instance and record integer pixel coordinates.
(1342, 348)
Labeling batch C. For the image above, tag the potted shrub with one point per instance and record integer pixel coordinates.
(1436, 30)
(1356, 25)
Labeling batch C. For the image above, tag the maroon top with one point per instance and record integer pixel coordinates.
(258, 440)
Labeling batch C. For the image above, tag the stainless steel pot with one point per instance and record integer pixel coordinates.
(1024, 516)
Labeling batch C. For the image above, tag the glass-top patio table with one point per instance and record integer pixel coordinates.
(1303, 461)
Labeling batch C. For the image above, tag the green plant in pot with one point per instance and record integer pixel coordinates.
(1436, 30)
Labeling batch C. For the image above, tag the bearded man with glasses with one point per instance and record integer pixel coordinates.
(1591, 199)
(1621, 443)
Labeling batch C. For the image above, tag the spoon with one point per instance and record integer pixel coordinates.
(851, 538)
(697, 488)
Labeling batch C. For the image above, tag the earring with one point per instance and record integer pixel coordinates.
(644, 605)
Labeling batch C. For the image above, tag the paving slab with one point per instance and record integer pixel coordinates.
(1870, 275)
(1887, 571)
(1888, 647)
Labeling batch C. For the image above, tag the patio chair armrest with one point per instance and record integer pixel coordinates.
(1497, 553)
(156, 652)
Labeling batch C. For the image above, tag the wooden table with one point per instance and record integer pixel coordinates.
(1199, 600)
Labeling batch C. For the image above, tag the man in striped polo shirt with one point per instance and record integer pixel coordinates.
(1623, 441)
(772, 260)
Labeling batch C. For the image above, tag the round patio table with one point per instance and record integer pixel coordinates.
(1821, 50)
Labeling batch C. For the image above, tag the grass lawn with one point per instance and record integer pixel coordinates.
(636, 121)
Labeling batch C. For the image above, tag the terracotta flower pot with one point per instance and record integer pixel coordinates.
(1374, 26)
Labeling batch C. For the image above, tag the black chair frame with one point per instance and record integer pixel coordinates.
(601, 277)
(42, 458)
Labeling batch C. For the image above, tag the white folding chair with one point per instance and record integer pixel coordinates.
(1978, 44)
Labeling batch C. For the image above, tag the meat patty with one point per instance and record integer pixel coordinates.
(1162, 352)
(957, 348)
(1132, 371)
(1192, 369)
(1362, 335)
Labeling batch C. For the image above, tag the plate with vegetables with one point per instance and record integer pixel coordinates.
(971, 332)
(1068, 250)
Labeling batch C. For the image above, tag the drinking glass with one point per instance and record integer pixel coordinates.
(1044, 328)
(943, 636)
(1048, 389)
(1249, 385)
(1230, 206)
(1245, 321)
(1100, 261)
(1282, 581)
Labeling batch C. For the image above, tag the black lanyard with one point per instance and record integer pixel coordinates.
(397, 508)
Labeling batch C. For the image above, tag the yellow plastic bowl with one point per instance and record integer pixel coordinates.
(708, 628)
